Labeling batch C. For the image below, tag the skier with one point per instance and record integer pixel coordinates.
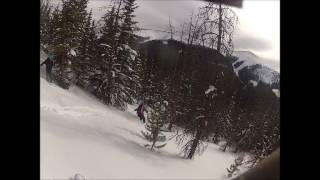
(141, 108)
(49, 64)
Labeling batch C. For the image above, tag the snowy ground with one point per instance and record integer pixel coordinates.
(81, 135)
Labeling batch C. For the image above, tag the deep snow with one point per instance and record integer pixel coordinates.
(81, 135)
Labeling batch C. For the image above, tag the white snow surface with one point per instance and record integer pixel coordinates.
(106, 45)
(248, 59)
(165, 42)
(254, 83)
(72, 52)
(210, 89)
(81, 137)
(265, 75)
(276, 92)
(133, 53)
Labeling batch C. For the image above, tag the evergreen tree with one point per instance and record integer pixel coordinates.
(119, 78)
(137, 76)
(154, 125)
(107, 56)
(85, 65)
(45, 17)
(150, 88)
(126, 78)
(59, 48)
(128, 24)
(141, 74)
(194, 132)
(67, 30)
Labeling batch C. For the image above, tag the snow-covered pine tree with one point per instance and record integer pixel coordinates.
(67, 28)
(86, 64)
(156, 120)
(127, 26)
(118, 79)
(106, 55)
(195, 124)
(45, 13)
(148, 82)
(164, 94)
(126, 76)
(55, 27)
(193, 137)
(139, 73)
(108, 45)
(173, 89)
(124, 81)
(59, 47)
(227, 124)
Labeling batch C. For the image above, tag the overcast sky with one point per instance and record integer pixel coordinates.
(258, 31)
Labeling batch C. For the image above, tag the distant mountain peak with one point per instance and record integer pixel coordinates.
(250, 67)
(249, 58)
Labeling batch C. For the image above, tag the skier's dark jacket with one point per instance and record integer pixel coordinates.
(49, 64)
(140, 110)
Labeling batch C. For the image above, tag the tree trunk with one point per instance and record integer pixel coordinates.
(155, 137)
(174, 85)
(153, 143)
(220, 29)
(215, 138)
(171, 29)
(170, 125)
(108, 88)
(225, 147)
(189, 31)
(194, 145)
(236, 149)
(172, 112)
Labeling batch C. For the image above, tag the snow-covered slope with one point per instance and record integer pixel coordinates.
(246, 57)
(261, 69)
(81, 135)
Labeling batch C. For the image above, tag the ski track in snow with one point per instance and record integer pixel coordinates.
(81, 135)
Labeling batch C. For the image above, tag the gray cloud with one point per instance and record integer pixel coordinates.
(246, 41)
(154, 14)
(157, 13)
